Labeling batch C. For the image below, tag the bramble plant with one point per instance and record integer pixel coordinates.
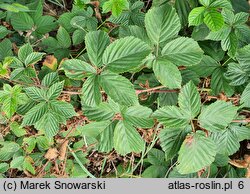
(125, 88)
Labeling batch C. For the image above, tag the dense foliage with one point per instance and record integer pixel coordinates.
(124, 88)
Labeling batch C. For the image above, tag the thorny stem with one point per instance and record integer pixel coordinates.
(71, 92)
(247, 120)
(155, 89)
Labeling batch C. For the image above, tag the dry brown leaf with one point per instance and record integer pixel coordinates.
(248, 173)
(63, 149)
(247, 158)
(51, 154)
(50, 62)
(239, 163)
(223, 97)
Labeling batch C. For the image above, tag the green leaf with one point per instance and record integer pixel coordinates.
(17, 130)
(243, 55)
(33, 58)
(228, 16)
(167, 73)
(156, 157)
(62, 108)
(125, 54)
(5, 49)
(245, 97)
(43, 143)
(96, 42)
(55, 90)
(77, 69)
(135, 31)
(154, 171)
(171, 140)
(24, 51)
(217, 116)
(221, 34)
(221, 160)
(205, 2)
(17, 163)
(219, 83)
(166, 99)
(240, 18)
(64, 21)
(35, 93)
(226, 141)
(120, 89)
(28, 166)
(183, 51)
(222, 4)
(86, 22)
(94, 129)
(183, 9)
(138, 116)
(10, 98)
(91, 94)
(7, 150)
(189, 75)
(63, 38)
(196, 16)
(241, 32)
(189, 100)
(206, 67)
(78, 172)
(196, 152)
(171, 117)
(48, 123)
(78, 36)
(242, 132)
(14, 7)
(106, 140)
(214, 20)
(45, 24)
(50, 79)
(133, 16)
(4, 32)
(162, 24)
(4, 167)
(22, 21)
(98, 113)
(35, 114)
(115, 6)
(127, 139)
(9, 106)
(239, 6)
(237, 73)
(231, 44)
